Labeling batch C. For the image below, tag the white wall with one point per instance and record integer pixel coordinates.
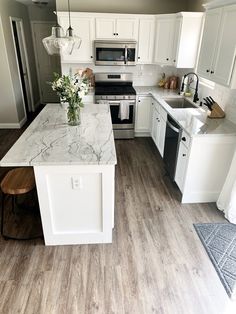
(11, 8)
(124, 6)
(8, 112)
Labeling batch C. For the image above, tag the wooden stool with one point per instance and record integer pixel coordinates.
(16, 182)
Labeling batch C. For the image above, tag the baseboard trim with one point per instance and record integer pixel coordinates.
(10, 126)
(36, 105)
(142, 134)
(22, 122)
(13, 125)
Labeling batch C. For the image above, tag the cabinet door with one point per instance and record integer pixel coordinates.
(209, 40)
(154, 130)
(181, 166)
(161, 135)
(176, 39)
(226, 48)
(127, 28)
(164, 40)
(84, 28)
(143, 111)
(105, 28)
(145, 40)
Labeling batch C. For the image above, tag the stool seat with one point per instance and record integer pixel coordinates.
(18, 181)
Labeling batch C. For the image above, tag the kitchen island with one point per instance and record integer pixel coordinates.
(74, 169)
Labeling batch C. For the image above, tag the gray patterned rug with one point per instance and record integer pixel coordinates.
(219, 240)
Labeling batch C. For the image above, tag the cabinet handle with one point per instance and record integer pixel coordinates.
(184, 139)
(167, 59)
(184, 155)
(207, 71)
(212, 72)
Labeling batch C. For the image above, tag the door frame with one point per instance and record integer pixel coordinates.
(31, 106)
(35, 52)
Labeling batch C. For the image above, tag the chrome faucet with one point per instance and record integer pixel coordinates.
(195, 97)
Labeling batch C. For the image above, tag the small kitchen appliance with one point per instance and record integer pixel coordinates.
(115, 52)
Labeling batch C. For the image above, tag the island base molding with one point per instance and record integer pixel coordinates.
(76, 203)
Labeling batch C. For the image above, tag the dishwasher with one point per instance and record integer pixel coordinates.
(171, 148)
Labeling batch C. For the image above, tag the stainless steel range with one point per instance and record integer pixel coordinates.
(116, 89)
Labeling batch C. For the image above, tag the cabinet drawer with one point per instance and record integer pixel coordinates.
(185, 139)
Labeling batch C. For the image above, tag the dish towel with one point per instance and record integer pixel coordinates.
(227, 199)
(124, 110)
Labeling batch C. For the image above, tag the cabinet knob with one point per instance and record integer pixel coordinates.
(117, 34)
(174, 60)
(114, 34)
(207, 71)
(184, 139)
(139, 100)
(184, 155)
(138, 57)
(91, 57)
(212, 72)
(167, 59)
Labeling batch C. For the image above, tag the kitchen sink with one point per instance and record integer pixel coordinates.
(181, 103)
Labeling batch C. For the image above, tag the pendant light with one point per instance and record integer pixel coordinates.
(58, 43)
(74, 41)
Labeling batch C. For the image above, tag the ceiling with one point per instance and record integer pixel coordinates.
(51, 3)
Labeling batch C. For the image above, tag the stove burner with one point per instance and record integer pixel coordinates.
(115, 90)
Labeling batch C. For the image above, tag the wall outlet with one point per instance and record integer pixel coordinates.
(77, 183)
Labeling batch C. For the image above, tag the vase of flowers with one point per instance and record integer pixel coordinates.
(71, 89)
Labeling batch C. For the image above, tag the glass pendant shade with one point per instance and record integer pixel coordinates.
(57, 43)
(74, 41)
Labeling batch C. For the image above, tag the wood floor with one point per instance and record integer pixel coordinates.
(156, 263)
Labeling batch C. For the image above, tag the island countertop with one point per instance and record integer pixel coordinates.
(49, 140)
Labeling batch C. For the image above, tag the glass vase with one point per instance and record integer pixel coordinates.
(73, 114)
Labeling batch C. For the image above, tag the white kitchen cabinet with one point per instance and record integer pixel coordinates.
(164, 37)
(161, 135)
(209, 40)
(177, 39)
(143, 116)
(218, 48)
(158, 127)
(203, 166)
(146, 40)
(84, 27)
(116, 27)
(181, 165)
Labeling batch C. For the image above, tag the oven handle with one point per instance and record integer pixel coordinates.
(172, 127)
(117, 102)
(126, 54)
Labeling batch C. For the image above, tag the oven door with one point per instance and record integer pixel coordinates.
(115, 53)
(117, 123)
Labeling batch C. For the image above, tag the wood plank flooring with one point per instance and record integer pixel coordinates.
(156, 263)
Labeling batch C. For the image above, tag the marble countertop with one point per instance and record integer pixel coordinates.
(194, 121)
(50, 141)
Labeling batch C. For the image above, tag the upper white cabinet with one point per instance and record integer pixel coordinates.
(177, 38)
(146, 40)
(164, 37)
(116, 27)
(218, 48)
(84, 27)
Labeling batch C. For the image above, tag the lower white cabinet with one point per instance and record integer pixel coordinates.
(203, 166)
(158, 127)
(181, 166)
(143, 116)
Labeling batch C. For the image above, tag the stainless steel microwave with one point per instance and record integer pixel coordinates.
(113, 52)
